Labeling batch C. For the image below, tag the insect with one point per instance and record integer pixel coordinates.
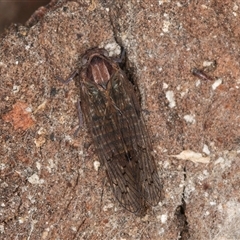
(201, 74)
(113, 116)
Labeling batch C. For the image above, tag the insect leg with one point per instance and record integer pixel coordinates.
(69, 79)
(122, 56)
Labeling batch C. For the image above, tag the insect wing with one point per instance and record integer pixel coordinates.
(123, 168)
(136, 160)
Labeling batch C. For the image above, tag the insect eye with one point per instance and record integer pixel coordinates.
(92, 90)
(116, 84)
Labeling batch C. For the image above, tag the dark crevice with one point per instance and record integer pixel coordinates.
(181, 215)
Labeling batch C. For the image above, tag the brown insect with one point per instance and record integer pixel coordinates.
(112, 113)
(201, 74)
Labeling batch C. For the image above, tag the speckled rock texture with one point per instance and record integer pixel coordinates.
(51, 185)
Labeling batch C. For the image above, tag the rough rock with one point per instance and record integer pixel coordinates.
(50, 187)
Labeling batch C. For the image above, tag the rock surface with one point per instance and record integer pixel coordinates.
(51, 186)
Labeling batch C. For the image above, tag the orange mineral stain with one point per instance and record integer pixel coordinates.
(19, 117)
